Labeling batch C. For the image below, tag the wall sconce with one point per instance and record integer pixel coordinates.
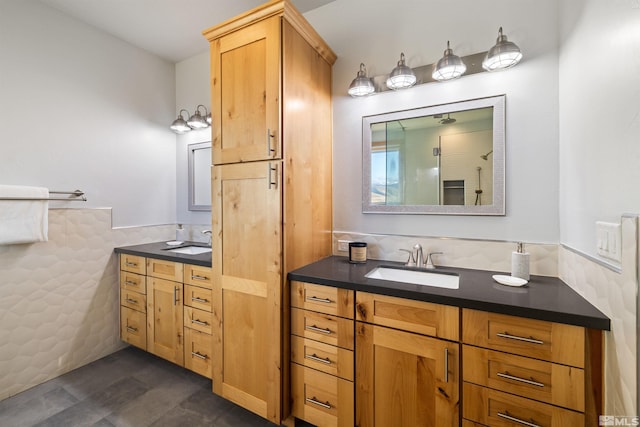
(503, 55)
(193, 122)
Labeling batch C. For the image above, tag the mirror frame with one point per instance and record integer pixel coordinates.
(498, 206)
(192, 148)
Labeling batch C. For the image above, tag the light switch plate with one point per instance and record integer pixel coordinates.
(343, 245)
(609, 240)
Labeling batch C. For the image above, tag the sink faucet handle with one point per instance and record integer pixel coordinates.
(411, 261)
(429, 263)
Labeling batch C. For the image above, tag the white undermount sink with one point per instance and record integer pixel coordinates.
(416, 277)
(190, 250)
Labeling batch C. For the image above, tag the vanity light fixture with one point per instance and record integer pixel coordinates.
(401, 77)
(503, 55)
(197, 121)
(180, 125)
(361, 85)
(449, 67)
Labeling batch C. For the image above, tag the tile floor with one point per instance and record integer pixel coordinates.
(127, 388)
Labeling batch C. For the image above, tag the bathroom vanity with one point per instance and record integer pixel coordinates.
(369, 352)
(166, 303)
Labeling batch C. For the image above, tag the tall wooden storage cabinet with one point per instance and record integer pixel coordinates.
(271, 185)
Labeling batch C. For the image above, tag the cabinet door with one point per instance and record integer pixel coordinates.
(405, 379)
(164, 319)
(247, 285)
(245, 70)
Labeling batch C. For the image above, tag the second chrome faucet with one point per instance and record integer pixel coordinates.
(417, 259)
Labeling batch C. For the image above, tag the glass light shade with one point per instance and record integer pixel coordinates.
(361, 85)
(180, 125)
(197, 121)
(401, 77)
(503, 55)
(449, 67)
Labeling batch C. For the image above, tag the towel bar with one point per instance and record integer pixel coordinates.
(76, 196)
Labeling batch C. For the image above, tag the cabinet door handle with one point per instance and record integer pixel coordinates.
(446, 365)
(273, 182)
(131, 301)
(131, 283)
(314, 328)
(270, 151)
(196, 277)
(199, 355)
(175, 295)
(517, 338)
(522, 380)
(315, 357)
(131, 264)
(315, 401)
(196, 299)
(132, 329)
(316, 299)
(506, 416)
(199, 322)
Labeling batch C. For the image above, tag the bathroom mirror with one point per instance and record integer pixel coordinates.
(200, 176)
(443, 159)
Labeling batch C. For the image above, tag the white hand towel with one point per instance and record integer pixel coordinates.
(23, 221)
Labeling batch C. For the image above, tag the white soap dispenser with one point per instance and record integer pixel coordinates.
(180, 233)
(520, 262)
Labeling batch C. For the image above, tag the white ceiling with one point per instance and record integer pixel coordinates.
(171, 29)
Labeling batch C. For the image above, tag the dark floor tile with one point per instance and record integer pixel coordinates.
(207, 403)
(38, 408)
(180, 417)
(240, 417)
(103, 423)
(98, 405)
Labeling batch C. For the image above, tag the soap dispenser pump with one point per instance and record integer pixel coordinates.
(520, 262)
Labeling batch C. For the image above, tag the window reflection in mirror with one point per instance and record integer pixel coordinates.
(442, 159)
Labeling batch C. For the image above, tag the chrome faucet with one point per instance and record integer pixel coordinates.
(208, 233)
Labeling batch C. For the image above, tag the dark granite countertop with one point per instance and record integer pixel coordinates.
(543, 298)
(158, 250)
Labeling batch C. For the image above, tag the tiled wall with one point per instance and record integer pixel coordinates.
(59, 299)
(612, 291)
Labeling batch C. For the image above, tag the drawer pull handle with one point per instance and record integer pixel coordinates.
(506, 416)
(132, 329)
(315, 358)
(132, 301)
(315, 401)
(175, 295)
(446, 365)
(316, 299)
(131, 283)
(199, 322)
(131, 264)
(196, 277)
(314, 328)
(196, 299)
(199, 355)
(517, 338)
(522, 380)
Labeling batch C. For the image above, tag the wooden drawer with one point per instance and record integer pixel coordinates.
(323, 357)
(425, 318)
(548, 382)
(197, 352)
(539, 339)
(320, 398)
(198, 276)
(133, 327)
(133, 300)
(199, 320)
(199, 298)
(167, 270)
(322, 327)
(133, 263)
(498, 409)
(133, 282)
(324, 299)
